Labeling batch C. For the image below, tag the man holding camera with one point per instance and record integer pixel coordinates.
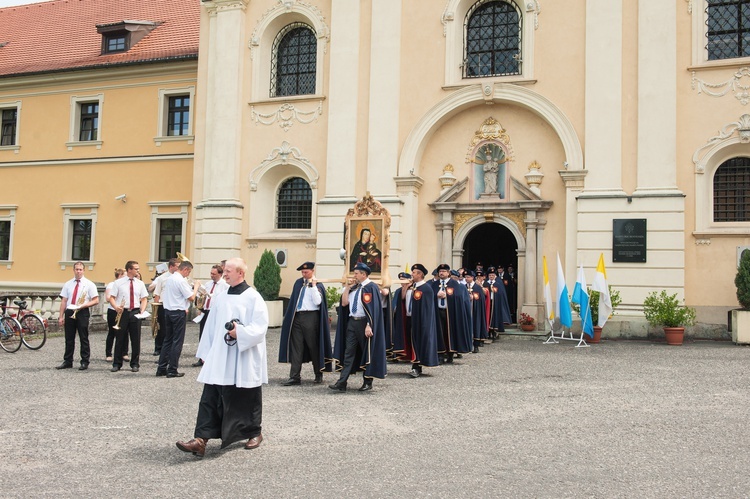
(233, 348)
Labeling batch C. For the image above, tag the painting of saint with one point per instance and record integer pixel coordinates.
(365, 249)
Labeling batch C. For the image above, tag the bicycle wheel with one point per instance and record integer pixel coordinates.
(10, 334)
(34, 333)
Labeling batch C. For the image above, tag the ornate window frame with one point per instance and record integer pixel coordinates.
(261, 42)
(75, 121)
(453, 18)
(163, 210)
(77, 211)
(732, 141)
(697, 10)
(8, 214)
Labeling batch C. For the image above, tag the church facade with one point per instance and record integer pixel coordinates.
(492, 131)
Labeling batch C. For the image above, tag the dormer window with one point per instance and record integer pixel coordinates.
(121, 36)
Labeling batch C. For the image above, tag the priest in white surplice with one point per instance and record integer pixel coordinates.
(234, 367)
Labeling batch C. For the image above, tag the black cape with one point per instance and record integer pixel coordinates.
(478, 311)
(499, 309)
(418, 334)
(458, 338)
(324, 343)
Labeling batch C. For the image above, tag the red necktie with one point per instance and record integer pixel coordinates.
(75, 292)
(132, 296)
(208, 302)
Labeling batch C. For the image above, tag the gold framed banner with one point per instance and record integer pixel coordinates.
(367, 238)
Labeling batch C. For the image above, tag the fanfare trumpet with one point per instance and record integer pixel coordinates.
(119, 314)
(81, 300)
(154, 318)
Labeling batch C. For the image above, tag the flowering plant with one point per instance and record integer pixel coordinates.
(526, 320)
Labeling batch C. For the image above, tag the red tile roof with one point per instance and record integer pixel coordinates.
(61, 34)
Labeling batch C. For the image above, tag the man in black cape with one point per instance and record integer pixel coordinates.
(499, 309)
(414, 321)
(360, 336)
(453, 310)
(306, 332)
(478, 317)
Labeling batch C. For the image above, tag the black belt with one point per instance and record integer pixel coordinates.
(307, 311)
(358, 318)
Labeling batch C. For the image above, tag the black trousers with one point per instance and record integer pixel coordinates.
(444, 329)
(112, 334)
(169, 358)
(305, 333)
(130, 326)
(202, 324)
(356, 342)
(159, 338)
(229, 413)
(78, 325)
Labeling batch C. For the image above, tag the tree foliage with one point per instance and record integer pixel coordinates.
(267, 276)
(742, 281)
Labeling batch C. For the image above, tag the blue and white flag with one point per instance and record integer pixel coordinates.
(581, 297)
(562, 307)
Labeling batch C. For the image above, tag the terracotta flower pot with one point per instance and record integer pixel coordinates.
(597, 335)
(674, 335)
(527, 327)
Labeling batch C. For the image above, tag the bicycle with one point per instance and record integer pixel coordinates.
(27, 326)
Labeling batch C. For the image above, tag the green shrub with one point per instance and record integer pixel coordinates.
(614, 298)
(742, 281)
(665, 310)
(267, 276)
(332, 297)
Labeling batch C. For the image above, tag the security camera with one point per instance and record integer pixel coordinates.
(121, 197)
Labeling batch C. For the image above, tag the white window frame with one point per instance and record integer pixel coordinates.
(453, 29)
(17, 106)
(261, 43)
(163, 119)
(162, 210)
(8, 214)
(75, 121)
(77, 211)
(697, 8)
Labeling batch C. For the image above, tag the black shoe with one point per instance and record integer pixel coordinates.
(64, 366)
(161, 373)
(414, 373)
(338, 386)
(156, 353)
(291, 382)
(114, 369)
(134, 369)
(459, 356)
(175, 375)
(199, 363)
(449, 359)
(318, 379)
(476, 350)
(83, 367)
(365, 387)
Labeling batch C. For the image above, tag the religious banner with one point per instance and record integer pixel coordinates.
(367, 239)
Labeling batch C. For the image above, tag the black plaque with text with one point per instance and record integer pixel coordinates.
(629, 240)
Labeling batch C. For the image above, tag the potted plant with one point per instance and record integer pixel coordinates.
(614, 299)
(741, 317)
(662, 309)
(526, 322)
(267, 281)
(332, 299)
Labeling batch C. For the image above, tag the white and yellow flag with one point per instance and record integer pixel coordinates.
(548, 294)
(600, 285)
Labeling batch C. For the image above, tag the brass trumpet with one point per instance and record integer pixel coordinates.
(81, 300)
(119, 314)
(154, 318)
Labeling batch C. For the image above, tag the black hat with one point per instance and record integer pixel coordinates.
(454, 273)
(364, 268)
(434, 272)
(469, 272)
(443, 266)
(306, 266)
(420, 267)
(492, 270)
(404, 275)
(480, 273)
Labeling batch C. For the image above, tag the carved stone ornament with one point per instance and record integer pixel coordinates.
(284, 7)
(286, 115)
(490, 130)
(742, 92)
(283, 155)
(459, 219)
(448, 16)
(742, 127)
(447, 179)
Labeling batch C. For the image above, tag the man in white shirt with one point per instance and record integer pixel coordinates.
(175, 300)
(129, 296)
(212, 287)
(231, 406)
(77, 294)
(157, 287)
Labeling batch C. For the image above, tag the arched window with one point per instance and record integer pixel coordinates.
(293, 61)
(492, 39)
(294, 206)
(732, 191)
(728, 33)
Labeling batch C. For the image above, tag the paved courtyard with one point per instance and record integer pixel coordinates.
(520, 419)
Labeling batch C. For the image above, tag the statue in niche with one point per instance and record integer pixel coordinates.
(489, 173)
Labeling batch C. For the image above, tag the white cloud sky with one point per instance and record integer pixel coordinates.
(11, 3)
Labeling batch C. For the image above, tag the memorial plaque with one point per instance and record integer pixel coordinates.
(629, 240)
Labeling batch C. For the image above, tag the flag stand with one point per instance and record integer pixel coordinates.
(554, 339)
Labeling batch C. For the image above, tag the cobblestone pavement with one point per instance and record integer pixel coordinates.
(520, 419)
